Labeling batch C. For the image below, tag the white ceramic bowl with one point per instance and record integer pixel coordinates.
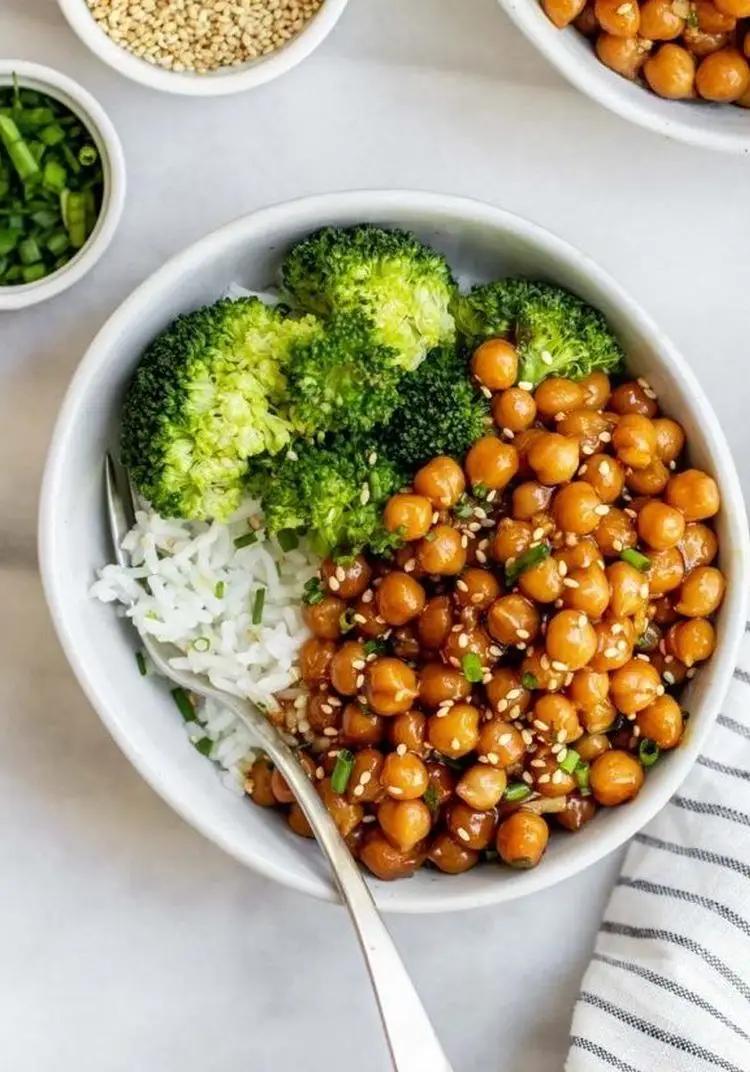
(712, 126)
(480, 242)
(215, 83)
(104, 136)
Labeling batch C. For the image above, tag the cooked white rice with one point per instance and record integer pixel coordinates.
(188, 584)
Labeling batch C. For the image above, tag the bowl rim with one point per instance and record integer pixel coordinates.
(188, 83)
(609, 94)
(375, 204)
(97, 122)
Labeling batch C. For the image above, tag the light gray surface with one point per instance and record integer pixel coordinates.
(127, 942)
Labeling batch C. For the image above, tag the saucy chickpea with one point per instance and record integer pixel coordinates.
(410, 730)
(469, 826)
(451, 856)
(714, 18)
(506, 692)
(558, 715)
(501, 744)
(622, 20)
(390, 686)
(404, 822)
(361, 727)
(587, 590)
(691, 641)
(411, 515)
(400, 598)
(346, 667)
(626, 55)
(661, 722)
(660, 526)
(511, 538)
(615, 638)
(615, 532)
(441, 481)
(347, 579)
(443, 553)
(723, 76)
(454, 732)
(596, 390)
(529, 499)
(659, 21)
(543, 583)
(634, 686)
(585, 425)
(385, 861)
(494, 364)
(522, 839)
(514, 409)
(482, 786)
(577, 508)
(554, 458)
(491, 463)
(606, 476)
(670, 439)
(629, 589)
(694, 493)
(365, 781)
(615, 777)
(346, 816)
(671, 72)
(570, 639)
(315, 660)
(435, 622)
(439, 683)
(666, 571)
(631, 397)
(577, 811)
(698, 545)
(634, 439)
(556, 395)
(323, 618)
(404, 776)
(477, 588)
(513, 619)
(561, 12)
(261, 773)
(651, 480)
(701, 593)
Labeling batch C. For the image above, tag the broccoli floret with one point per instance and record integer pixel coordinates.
(334, 491)
(440, 412)
(403, 286)
(204, 398)
(555, 332)
(341, 379)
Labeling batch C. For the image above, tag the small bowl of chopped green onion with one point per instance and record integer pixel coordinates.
(62, 183)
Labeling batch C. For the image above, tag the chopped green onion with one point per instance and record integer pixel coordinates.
(184, 704)
(531, 557)
(529, 681)
(516, 791)
(472, 667)
(29, 251)
(375, 647)
(288, 539)
(635, 558)
(8, 239)
(87, 155)
(20, 155)
(430, 536)
(649, 638)
(313, 591)
(571, 761)
(45, 218)
(202, 745)
(431, 798)
(140, 658)
(648, 752)
(202, 644)
(246, 540)
(342, 771)
(32, 272)
(54, 177)
(219, 589)
(464, 508)
(260, 598)
(346, 620)
(57, 243)
(581, 775)
(480, 491)
(76, 219)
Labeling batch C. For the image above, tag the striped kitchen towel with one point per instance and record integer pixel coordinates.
(668, 987)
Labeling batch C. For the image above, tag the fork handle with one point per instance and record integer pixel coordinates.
(412, 1041)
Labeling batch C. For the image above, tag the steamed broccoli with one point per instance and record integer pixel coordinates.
(334, 491)
(203, 399)
(555, 332)
(404, 287)
(440, 412)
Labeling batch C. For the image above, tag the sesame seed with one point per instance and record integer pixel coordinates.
(606, 437)
(610, 653)
(543, 779)
(559, 666)
(365, 777)
(643, 658)
(538, 724)
(524, 634)
(492, 495)
(514, 694)
(526, 386)
(473, 526)
(570, 583)
(463, 640)
(373, 457)
(333, 584)
(544, 662)
(394, 790)
(410, 566)
(319, 773)
(660, 690)
(602, 510)
(540, 763)
(463, 834)
(435, 517)
(330, 731)
(617, 545)
(360, 619)
(340, 573)
(583, 621)
(643, 590)
(493, 758)
(495, 652)
(587, 448)
(558, 777)
(462, 586)
(515, 711)
(367, 595)
(326, 708)
(455, 744)
(562, 568)
(358, 664)
(464, 541)
(360, 680)
(358, 790)
(527, 777)
(303, 726)
(481, 557)
(486, 391)
(560, 751)
(502, 705)
(668, 677)
(481, 759)
(526, 736)
(547, 357)
(401, 750)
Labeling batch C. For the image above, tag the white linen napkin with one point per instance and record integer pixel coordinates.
(668, 986)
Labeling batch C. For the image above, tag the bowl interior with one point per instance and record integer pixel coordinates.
(480, 243)
(697, 122)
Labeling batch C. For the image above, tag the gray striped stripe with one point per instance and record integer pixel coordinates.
(732, 724)
(701, 807)
(673, 988)
(691, 898)
(722, 768)
(647, 1028)
(656, 934)
(742, 675)
(598, 1051)
(695, 854)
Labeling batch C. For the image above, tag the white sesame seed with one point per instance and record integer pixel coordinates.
(602, 509)
(401, 750)
(493, 758)
(481, 557)
(558, 776)
(455, 744)
(526, 736)
(559, 666)
(527, 777)
(394, 790)
(463, 834)
(435, 517)
(643, 591)
(359, 619)
(543, 779)
(320, 773)
(539, 763)
(562, 568)
(464, 541)
(463, 640)
(486, 391)
(367, 595)
(524, 634)
(538, 724)
(668, 677)
(333, 584)
(569, 582)
(462, 586)
(330, 731)
(410, 566)
(547, 357)
(525, 385)
(358, 790)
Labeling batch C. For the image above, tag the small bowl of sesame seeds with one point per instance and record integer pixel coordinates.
(202, 47)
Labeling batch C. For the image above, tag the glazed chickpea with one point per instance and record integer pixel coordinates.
(346, 667)
(561, 12)
(570, 639)
(629, 589)
(390, 686)
(514, 409)
(738, 9)
(596, 390)
(345, 815)
(506, 693)
(599, 719)
(670, 439)
(539, 665)
(438, 683)
(556, 395)
(615, 639)
(701, 593)
(361, 727)
(659, 21)
(625, 55)
(404, 822)
(619, 19)
(660, 526)
(451, 857)
(744, 100)
(691, 641)
(435, 622)
(385, 861)
(592, 745)
(558, 714)
(443, 554)
(652, 480)
(634, 686)
(529, 499)
(723, 76)
(441, 481)
(409, 514)
(554, 458)
(442, 781)
(698, 546)
(615, 532)
(404, 776)
(323, 618)
(577, 812)
(513, 619)
(589, 688)
(615, 777)
(550, 780)
(404, 643)
(472, 639)
(703, 44)
(713, 20)
(670, 72)
(576, 508)
(261, 773)
(665, 572)
(586, 426)
(454, 733)
(542, 583)
(476, 588)
(322, 715)
(482, 786)
(400, 598)
(297, 821)
(587, 590)
(694, 493)
(409, 730)
(661, 722)
(494, 364)
(511, 538)
(315, 660)
(365, 781)
(634, 440)
(587, 23)
(500, 743)
(522, 839)
(347, 579)
(582, 554)
(491, 462)
(469, 826)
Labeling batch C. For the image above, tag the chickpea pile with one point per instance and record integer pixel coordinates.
(682, 48)
(517, 660)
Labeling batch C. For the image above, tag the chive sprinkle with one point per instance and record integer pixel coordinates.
(219, 589)
(431, 798)
(346, 620)
(201, 643)
(531, 557)
(529, 682)
(246, 540)
(635, 558)
(581, 775)
(377, 646)
(472, 667)
(571, 761)
(648, 752)
(184, 704)
(313, 592)
(288, 539)
(140, 658)
(202, 745)
(516, 791)
(342, 771)
(260, 598)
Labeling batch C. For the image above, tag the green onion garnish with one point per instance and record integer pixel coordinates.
(346, 620)
(472, 667)
(431, 798)
(219, 589)
(260, 598)
(313, 591)
(529, 681)
(342, 770)
(87, 155)
(430, 536)
(516, 791)
(288, 539)
(375, 647)
(464, 508)
(649, 638)
(648, 752)
(184, 705)
(531, 557)
(202, 643)
(246, 540)
(635, 558)
(140, 658)
(581, 775)
(202, 745)
(479, 491)
(571, 761)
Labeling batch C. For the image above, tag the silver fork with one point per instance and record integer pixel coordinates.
(413, 1044)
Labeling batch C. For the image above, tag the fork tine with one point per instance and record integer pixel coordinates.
(117, 513)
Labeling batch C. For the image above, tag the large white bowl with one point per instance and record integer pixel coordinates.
(214, 83)
(713, 126)
(481, 242)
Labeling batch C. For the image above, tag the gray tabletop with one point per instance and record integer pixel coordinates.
(127, 942)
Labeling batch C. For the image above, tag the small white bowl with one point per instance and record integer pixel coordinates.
(480, 242)
(103, 134)
(214, 83)
(713, 126)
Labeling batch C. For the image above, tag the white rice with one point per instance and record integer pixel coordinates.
(170, 591)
